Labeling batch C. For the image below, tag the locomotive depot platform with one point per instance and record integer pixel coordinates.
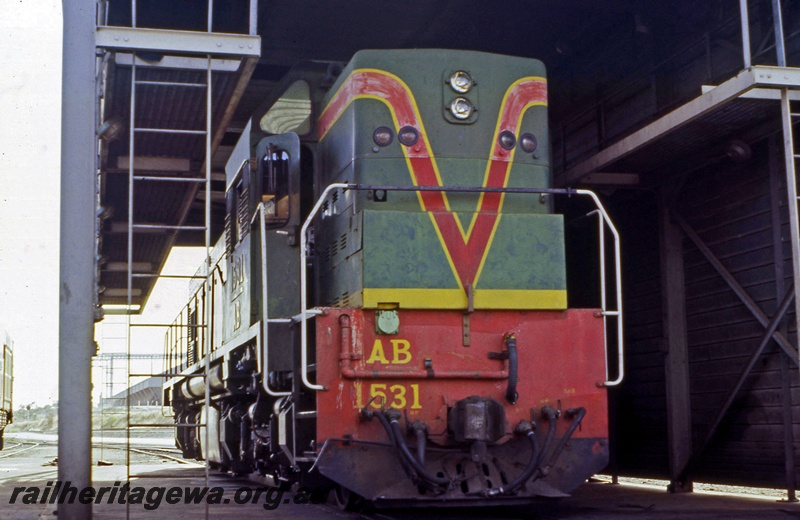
(595, 500)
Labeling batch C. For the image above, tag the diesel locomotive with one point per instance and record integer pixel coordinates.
(386, 314)
(6, 382)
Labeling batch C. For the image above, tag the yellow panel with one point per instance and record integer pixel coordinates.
(457, 299)
(520, 299)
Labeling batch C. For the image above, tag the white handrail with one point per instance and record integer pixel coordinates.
(262, 346)
(601, 234)
(304, 311)
(604, 220)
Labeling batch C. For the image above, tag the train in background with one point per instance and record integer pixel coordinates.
(6, 382)
(386, 315)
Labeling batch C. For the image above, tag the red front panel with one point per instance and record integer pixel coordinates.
(425, 368)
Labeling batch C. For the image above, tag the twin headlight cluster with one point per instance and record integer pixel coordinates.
(461, 108)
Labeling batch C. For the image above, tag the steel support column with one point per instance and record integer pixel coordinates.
(780, 288)
(676, 364)
(745, 19)
(77, 268)
(791, 192)
(788, 157)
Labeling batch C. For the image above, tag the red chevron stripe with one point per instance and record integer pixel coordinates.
(466, 252)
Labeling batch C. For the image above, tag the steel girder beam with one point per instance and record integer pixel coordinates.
(179, 63)
(178, 42)
(758, 76)
(752, 306)
(771, 329)
(771, 333)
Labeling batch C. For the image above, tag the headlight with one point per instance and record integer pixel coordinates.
(461, 108)
(461, 82)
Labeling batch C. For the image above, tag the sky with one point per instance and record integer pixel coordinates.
(30, 147)
(167, 299)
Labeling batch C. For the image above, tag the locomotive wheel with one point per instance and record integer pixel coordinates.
(346, 500)
(320, 496)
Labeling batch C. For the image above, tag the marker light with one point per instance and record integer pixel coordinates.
(461, 82)
(461, 108)
(383, 136)
(408, 135)
(528, 143)
(507, 139)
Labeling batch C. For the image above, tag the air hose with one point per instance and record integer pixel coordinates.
(536, 456)
(551, 432)
(422, 439)
(382, 419)
(524, 427)
(578, 414)
(421, 471)
(539, 471)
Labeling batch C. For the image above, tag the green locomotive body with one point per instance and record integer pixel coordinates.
(391, 257)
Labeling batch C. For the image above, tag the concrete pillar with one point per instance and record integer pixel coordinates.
(77, 284)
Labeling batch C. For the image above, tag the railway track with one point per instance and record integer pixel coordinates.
(18, 448)
(21, 450)
(163, 453)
